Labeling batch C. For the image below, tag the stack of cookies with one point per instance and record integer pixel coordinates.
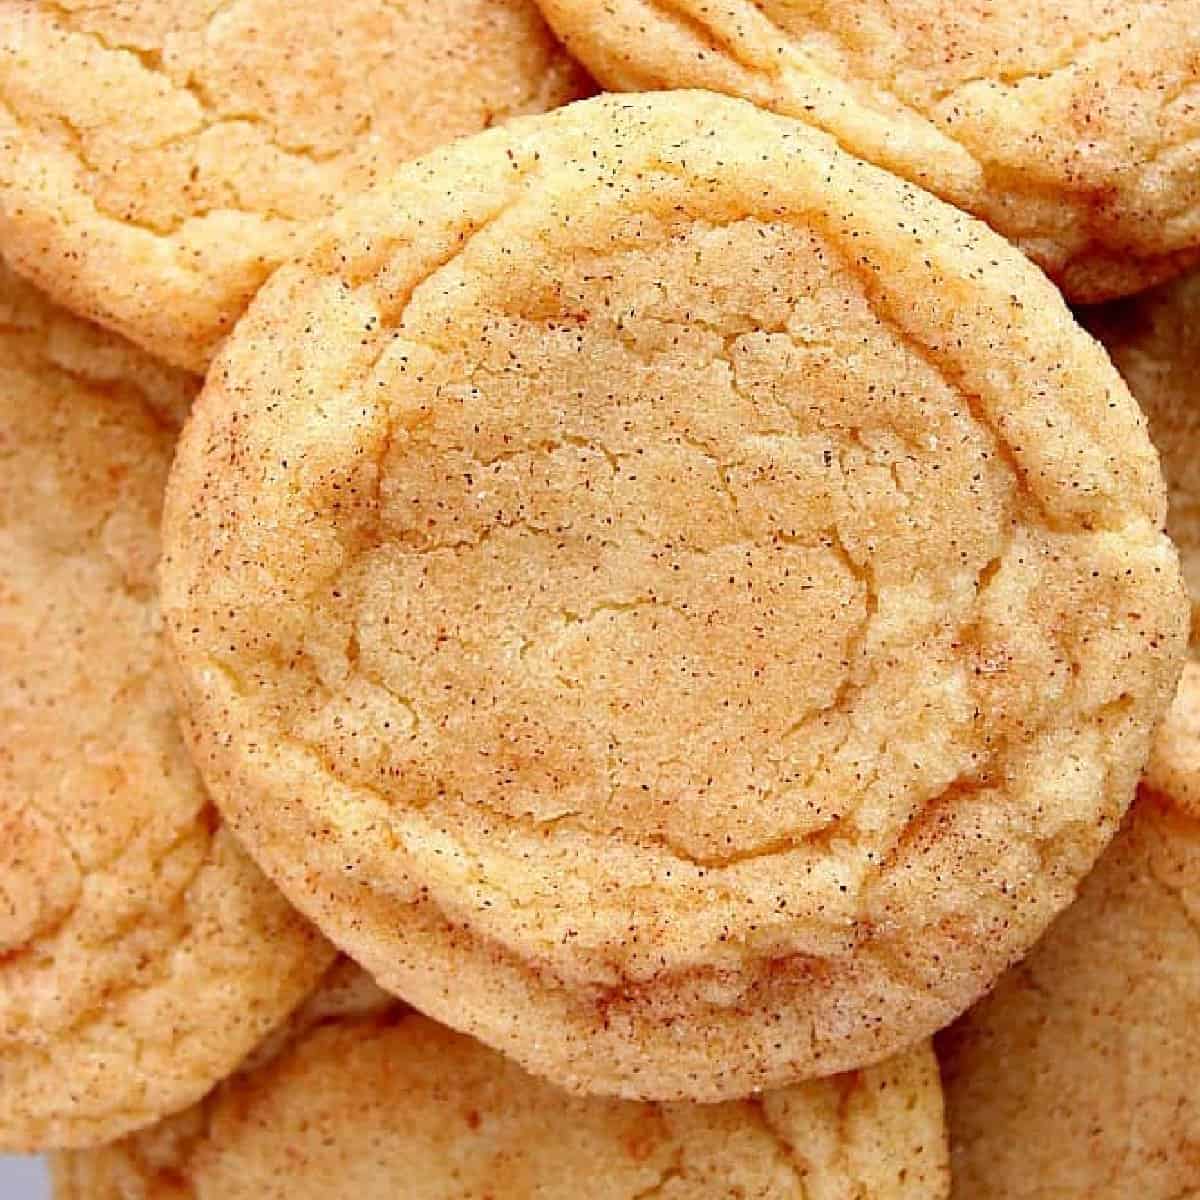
(551, 639)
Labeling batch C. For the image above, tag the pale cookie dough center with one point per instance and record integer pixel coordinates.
(680, 544)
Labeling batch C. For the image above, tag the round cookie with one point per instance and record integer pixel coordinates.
(377, 1104)
(1154, 341)
(1077, 1075)
(1072, 128)
(670, 599)
(141, 953)
(159, 159)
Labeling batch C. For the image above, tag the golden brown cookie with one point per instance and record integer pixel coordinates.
(141, 953)
(159, 158)
(1071, 126)
(670, 599)
(1077, 1075)
(1154, 341)
(377, 1104)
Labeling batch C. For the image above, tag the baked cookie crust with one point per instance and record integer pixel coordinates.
(670, 599)
(142, 954)
(364, 1097)
(1077, 1075)
(159, 158)
(1071, 127)
(1154, 341)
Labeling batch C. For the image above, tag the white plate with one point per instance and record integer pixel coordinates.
(23, 1179)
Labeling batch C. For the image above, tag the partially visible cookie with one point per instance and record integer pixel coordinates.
(158, 159)
(671, 600)
(142, 955)
(1077, 1075)
(366, 1099)
(1071, 126)
(1174, 767)
(1154, 341)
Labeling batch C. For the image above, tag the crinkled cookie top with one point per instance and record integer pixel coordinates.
(1071, 126)
(141, 953)
(373, 1104)
(674, 601)
(159, 158)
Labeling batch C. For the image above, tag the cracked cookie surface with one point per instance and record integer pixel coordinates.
(367, 1098)
(1077, 1075)
(1073, 128)
(1154, 340)
(159, 158)
(671, 600)
(141, 953)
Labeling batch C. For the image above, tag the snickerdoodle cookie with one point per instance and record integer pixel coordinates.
(366, 1099)
(669, 598)
(1072, 126)
(1154, 340)
(141, 953)
(158, 159)
(1077, 1075)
